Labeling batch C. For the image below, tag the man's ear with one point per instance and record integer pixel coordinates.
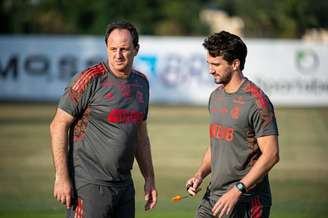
(137, 49)
(236, 64)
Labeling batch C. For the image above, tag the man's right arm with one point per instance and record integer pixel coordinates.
(59, 127)
(194, 182)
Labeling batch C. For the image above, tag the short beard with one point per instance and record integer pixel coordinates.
(224, 80)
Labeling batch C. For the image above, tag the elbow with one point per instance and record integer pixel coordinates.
(59, 125)
(275, 158)
(52, 127)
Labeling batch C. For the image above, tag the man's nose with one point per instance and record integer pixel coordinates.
(119, 52)
(211, 70)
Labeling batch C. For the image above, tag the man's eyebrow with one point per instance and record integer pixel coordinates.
(212, 62)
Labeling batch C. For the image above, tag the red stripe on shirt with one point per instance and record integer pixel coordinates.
(258, 94)
(87, 76)
(81, 83)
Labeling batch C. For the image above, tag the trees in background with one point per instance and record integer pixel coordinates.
(262, 18)
(277, 18)
(152, 17)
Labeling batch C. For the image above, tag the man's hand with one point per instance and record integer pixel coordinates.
(226, 203)
(150, 195)
(63, 191)
(193, 185)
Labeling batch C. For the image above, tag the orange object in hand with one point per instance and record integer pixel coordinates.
(178, 198)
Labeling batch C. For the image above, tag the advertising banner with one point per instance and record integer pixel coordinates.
(37, 68)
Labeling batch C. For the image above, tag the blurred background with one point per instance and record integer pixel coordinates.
(252, 18)
(43, 43)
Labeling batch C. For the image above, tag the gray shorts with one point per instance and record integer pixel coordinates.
(252, 209)
(98, 201)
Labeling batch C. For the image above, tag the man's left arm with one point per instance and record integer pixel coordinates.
(269, 147)
(144, 159)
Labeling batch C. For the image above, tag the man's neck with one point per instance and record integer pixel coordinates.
(235, 82)
(121, 75)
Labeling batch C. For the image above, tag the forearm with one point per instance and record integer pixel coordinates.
(205, 167)
(58, 133)
(260, 169)
(144, 159)
(193, 184)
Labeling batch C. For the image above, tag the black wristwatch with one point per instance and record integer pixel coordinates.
(241, 187)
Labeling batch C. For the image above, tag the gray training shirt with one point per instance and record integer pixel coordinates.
(236, 121)
(108, 111)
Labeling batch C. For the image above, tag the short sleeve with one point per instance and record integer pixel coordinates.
(210, 100)
(77, 95)
(262, 118)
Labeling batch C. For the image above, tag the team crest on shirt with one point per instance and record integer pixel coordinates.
(110, 96)
(235, 113)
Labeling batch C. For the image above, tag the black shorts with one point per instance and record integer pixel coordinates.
(252, 209)
(98, 201)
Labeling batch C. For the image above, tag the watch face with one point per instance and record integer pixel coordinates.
(240, 186)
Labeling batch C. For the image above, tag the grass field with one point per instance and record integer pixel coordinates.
(179, 136)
